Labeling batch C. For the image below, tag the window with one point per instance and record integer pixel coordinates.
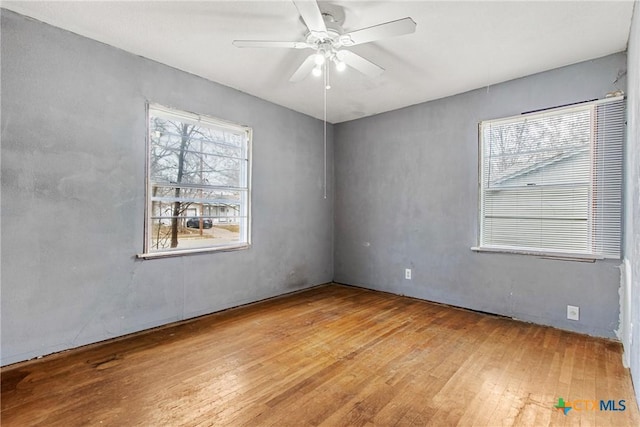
(551, 182)
(198, 196)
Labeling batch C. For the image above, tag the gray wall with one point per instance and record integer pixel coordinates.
(407, 198)
(73, 159)
(630, 297)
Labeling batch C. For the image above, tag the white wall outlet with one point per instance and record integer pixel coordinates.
(573, 312)
(407, 273)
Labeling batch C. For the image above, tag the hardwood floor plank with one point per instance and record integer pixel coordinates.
(329, 356)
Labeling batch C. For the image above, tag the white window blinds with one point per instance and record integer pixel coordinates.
(552, 181)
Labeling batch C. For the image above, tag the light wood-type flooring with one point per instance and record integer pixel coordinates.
(332, 356)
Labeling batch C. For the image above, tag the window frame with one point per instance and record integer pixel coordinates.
(591, 227)
(245, 175)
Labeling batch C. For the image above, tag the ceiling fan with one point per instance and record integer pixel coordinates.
(327, 38)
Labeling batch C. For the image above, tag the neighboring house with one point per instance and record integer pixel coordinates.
(219, 212)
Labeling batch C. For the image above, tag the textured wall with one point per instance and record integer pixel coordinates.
(630, 297)
(73, 159)
(408, 198)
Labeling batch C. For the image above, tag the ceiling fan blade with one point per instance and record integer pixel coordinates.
(311, 15)
(265, 43)
(304, 69)
(377, 32)
(356, 61)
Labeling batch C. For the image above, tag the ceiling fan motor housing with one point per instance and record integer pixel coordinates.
(334, 36)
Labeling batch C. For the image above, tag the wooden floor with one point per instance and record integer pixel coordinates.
(333, 356)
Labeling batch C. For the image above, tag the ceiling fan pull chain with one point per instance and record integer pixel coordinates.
(324, 90)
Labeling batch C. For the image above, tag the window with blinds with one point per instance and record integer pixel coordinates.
(551, 181)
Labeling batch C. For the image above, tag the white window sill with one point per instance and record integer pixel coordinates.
(167, 254)
(566, 256)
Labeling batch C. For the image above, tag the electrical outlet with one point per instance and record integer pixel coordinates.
(407, 273)
(573, 312)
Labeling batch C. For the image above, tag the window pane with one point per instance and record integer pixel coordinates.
(518, 152)
(538, 217)
(190, 235)
(540, 233)
(569, 202)
(188, 154)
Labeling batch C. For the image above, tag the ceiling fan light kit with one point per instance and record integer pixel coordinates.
(327, 38)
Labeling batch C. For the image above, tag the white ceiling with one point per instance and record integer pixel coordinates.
(457, 46)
